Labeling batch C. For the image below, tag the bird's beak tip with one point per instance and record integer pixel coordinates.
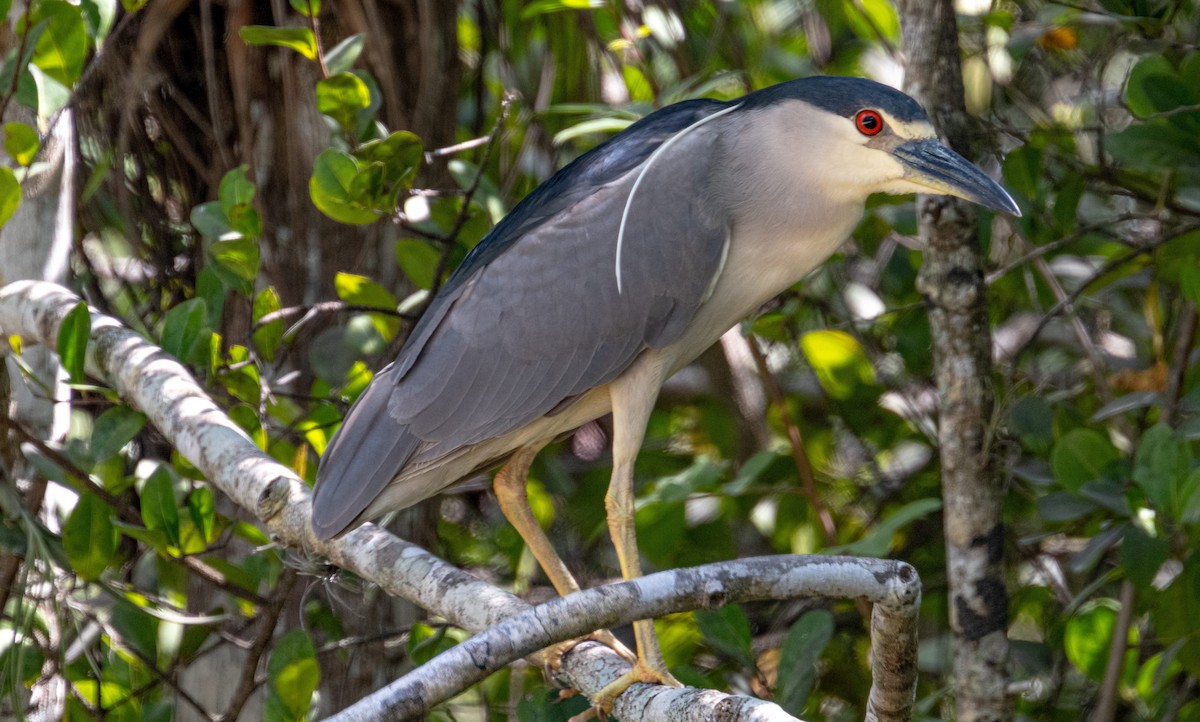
(931, 164)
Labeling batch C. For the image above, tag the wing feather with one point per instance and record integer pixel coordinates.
(534, 317)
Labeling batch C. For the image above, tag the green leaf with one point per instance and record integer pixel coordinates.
(293, 674)
(727, 630)
(212, 222)
(839, 361)
(183, 329)
(267, 337)
(1031, 419)
(343, 55)
(1142, 555)
(400, 154)
(1088, 634)
(1155, 87)
(333, 173)
(202, 508)
(10, 194)
(418, 259)
(341, 97)
(1160, 466)
(362, 291)
(160, 511)
(879, 542)
(236, 189)
(798, 659)
(1174, 612)
(240, 256)
(1189, 283)
(73, 336)
(113, 429)
(21, 142)
(89, 538)
(43, 92)
(62, 47)
(1080, 456)
(299, 39)
(307, 8)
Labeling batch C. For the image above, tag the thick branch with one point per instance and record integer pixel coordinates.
(952, 282)
(892, 586)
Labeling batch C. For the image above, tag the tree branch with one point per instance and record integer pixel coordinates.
(892, 586)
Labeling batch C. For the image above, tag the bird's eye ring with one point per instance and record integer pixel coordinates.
(869, 122)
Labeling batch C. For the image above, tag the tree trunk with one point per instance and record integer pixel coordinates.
(952, 282)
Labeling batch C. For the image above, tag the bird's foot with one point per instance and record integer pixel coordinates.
(555, 653)
(642, 672)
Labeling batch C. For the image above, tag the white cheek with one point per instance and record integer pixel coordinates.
(855, 169)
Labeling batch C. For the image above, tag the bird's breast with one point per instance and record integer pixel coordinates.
(763, 260)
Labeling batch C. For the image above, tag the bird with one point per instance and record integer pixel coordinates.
(614, 273)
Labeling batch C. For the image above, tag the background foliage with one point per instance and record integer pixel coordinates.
(271, 194)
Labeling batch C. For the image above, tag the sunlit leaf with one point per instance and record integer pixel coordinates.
(333, 172)
(62, 47)
(341, 97)
(307, 8)
(293, 674)
(240, 256)
(839, 361)
(1088, 634)
(268, 336)
(73, 336)
(21, 142)
(299, 39)
(10, 194)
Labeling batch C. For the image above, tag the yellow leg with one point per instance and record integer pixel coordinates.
(511, 493)
(633, 398)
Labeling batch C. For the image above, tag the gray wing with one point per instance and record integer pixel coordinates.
(536, 325)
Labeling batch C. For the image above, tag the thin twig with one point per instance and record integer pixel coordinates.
(465, 211)
(799, 455)
(1101, 272)
(1106, 706)
(269, 617)
(1179, 364)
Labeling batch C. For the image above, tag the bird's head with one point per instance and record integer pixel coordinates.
(861, 137)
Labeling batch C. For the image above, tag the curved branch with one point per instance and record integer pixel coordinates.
(892, 586)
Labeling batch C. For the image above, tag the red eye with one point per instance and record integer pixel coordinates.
(869, 122)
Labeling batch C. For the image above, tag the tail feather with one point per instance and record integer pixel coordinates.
(364, 456)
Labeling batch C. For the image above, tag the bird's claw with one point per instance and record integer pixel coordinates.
(555, 653)
(641, 672)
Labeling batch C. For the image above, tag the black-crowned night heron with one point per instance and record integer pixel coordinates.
(612, 275)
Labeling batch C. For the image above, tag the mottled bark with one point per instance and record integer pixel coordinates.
(892, 586)
(952, 282)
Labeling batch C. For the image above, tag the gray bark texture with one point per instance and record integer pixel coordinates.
(952, 282)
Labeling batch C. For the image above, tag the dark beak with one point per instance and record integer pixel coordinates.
(929, 163)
